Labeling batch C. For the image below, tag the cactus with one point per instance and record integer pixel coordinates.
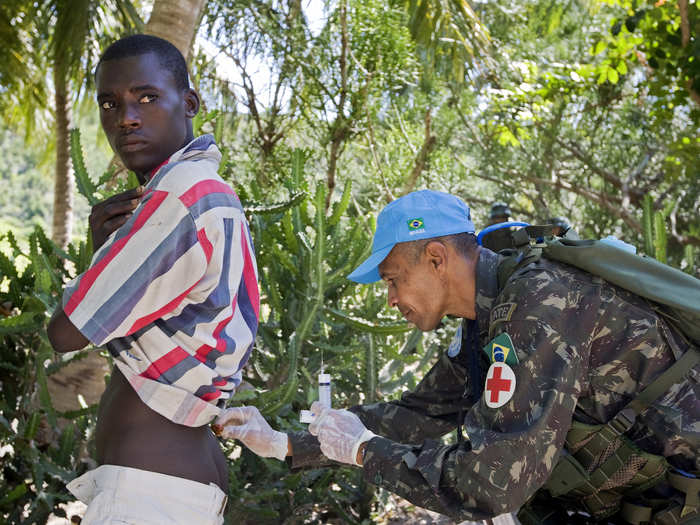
(82, 178)
(648, 225)
(660, 240)
(284, 394)
(288, 230)
(370, 371)
(304, 255)
(654, 229)
(269, 209)
(689, 258)
(341, 206)
(66, 445)
(367, 326)
(316, 276)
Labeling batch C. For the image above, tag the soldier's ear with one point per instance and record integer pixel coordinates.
(437, 255)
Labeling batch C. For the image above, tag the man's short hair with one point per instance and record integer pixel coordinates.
(168, 55)
(465, 244)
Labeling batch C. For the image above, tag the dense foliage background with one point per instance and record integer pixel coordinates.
(325, 111)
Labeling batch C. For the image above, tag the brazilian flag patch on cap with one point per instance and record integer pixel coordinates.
(415, 224)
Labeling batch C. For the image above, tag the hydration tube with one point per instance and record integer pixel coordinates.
(497, 226)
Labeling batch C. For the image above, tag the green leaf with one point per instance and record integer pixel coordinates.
(14, 494)
(613, 77)
(599, 47)
(132, 181)
(24, 322)
(244, 395)
(7, 269)
(506, 137)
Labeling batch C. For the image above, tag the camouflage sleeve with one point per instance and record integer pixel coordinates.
(429, 411)
(306, 452)
(511, 449)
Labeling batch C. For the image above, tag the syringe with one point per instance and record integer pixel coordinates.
(324, 397)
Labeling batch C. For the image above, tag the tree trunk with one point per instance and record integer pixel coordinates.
(176, 21)
(64, 183)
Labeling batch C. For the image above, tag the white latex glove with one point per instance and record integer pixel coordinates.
(247, 425)
(339, 432)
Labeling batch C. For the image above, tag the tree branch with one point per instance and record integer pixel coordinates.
(685, 22)
(635, 194)
(339, 129)
(388, 195)
(403, 130)
(422, 157)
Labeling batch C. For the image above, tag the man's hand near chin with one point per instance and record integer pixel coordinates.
(111, 214)
(247, 425)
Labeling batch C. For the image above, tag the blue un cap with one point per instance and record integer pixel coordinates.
(419, 215)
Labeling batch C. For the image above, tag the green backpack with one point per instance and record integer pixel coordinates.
(674, 294)
(579, 476)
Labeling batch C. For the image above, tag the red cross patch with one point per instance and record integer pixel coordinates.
(500, 385)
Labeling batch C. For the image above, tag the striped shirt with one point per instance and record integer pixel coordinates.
(173, 293)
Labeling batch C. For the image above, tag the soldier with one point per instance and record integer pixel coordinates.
(545, 374)
(560, 225)
(500, 239)
(500, 212)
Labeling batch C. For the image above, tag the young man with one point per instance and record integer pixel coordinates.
(546, 374)
(171, 292)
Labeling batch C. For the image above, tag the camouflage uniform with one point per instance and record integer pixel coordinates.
(584, 347)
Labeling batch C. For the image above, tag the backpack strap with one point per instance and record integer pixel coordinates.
(513, 262)
(624, 420)
(579, 473)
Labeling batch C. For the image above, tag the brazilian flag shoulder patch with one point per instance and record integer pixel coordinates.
(501, 350)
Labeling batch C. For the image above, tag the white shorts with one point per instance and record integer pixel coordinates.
(130, 496)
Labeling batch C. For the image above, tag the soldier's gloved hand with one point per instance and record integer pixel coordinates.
(247, 425)
(339, 432)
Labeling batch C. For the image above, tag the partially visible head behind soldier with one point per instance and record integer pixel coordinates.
(499, 239)
(500, 212)
(561, 225)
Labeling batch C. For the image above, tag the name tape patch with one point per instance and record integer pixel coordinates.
(502, 312)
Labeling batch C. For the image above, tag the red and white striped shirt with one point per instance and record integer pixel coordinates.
(174, 292)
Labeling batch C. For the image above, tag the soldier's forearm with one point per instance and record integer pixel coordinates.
(400, 423)
(434, 476)
(305, 452)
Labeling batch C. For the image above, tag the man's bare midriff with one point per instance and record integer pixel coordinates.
(130, 434)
